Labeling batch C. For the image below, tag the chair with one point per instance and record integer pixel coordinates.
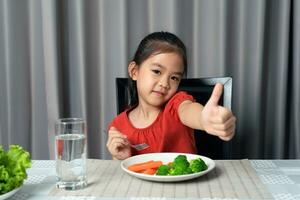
(201, 88)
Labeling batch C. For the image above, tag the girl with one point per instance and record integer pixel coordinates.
(159, 115)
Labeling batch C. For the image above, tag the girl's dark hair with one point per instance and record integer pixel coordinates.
(153, 44)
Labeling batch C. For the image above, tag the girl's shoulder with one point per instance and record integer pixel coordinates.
(177, 99)
(120, 119)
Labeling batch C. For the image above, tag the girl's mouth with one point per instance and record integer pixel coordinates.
(158, 93)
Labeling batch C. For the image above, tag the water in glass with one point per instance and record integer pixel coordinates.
(71, 160)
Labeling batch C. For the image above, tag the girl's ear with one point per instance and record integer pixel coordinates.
(133, 70)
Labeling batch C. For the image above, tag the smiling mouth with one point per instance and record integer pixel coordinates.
(158, 93)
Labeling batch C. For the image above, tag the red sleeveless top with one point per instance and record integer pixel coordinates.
(165, 134)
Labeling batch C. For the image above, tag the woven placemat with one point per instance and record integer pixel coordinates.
(234, 179)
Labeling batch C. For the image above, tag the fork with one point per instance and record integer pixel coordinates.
(138, 147)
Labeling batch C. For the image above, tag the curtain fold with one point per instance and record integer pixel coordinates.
(293, 149)
(275, 83)
(50, 55)
(60, 59)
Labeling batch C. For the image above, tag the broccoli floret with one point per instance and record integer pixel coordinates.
(181, 162)
(163, 170)
(180, 171)
(180, 166)
(188, 171)
(197, 165)
(176, 171)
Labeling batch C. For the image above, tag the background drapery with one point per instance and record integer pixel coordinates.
(60, 59)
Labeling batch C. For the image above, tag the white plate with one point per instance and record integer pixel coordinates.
(165, 158)
(9, 194)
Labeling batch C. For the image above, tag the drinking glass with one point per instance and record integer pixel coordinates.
(70, 153)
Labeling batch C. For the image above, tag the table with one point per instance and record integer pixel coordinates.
(281, 179)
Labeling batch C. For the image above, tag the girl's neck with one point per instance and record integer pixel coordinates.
(147, 111)
(143, 116)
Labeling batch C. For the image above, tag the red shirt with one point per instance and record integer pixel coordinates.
(165, 134)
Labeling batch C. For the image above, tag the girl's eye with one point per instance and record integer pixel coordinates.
(174, 78)
(156, 71)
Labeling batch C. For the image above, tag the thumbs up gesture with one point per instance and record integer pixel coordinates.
(218, 120)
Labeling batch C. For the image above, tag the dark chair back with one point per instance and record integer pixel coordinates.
(201, 89)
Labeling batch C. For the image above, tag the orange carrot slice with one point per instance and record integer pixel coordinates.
(150, 171)
(142, 163)
(143, 166)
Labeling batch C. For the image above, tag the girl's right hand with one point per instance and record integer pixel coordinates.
(118, 145)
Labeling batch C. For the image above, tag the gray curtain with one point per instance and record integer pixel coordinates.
(60, 59)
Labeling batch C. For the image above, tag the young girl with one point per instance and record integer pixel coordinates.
(160, 116)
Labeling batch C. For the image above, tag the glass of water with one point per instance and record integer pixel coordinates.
(70, 153)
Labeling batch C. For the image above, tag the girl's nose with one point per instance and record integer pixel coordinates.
(164, 84)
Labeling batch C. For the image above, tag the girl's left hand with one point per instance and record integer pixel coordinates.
(218, 120)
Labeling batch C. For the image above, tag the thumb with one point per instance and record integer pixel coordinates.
(216, 95)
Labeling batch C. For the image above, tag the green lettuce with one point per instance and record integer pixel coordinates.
(13, 165)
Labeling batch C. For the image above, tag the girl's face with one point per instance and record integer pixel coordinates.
(157, 78)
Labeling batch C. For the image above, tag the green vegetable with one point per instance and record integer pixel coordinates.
(197, 165)
(188, 171)
(181, 162)
(13, 165)
(163, 170)
(181, 166)
(180, 171)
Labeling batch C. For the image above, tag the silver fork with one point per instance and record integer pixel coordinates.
(138, 147)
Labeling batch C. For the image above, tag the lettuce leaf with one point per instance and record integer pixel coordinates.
(13, 165)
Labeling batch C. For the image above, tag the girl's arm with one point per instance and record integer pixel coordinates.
(212, 118)
(189, 113)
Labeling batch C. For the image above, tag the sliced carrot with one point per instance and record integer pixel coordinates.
(142, 163)
(149, 171)
(143, 166)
